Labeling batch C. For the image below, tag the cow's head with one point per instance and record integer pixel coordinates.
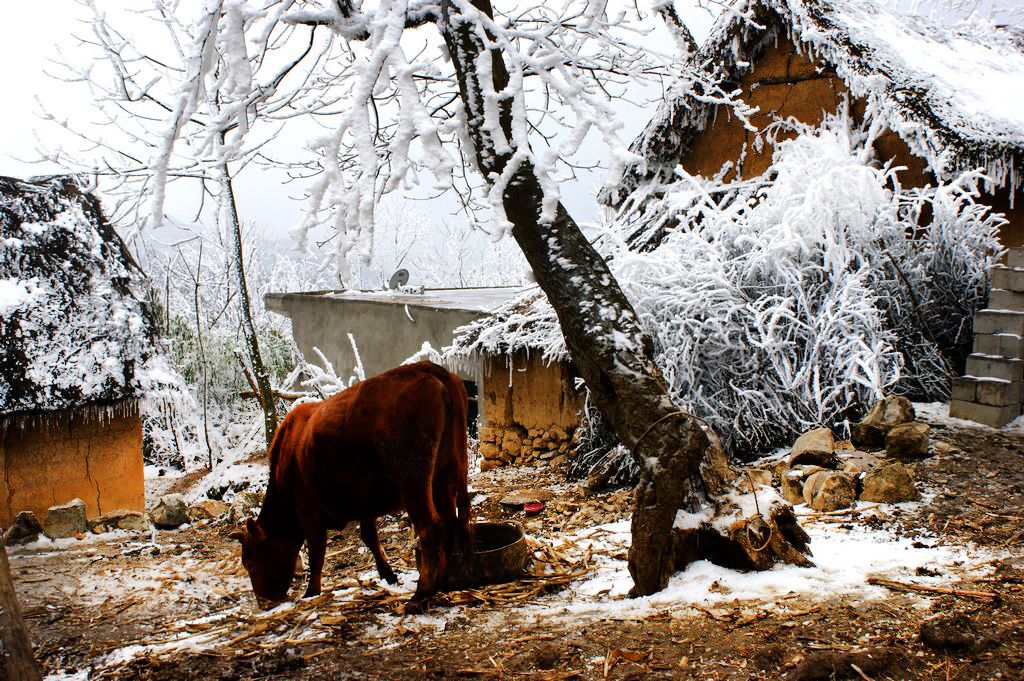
(269, 562)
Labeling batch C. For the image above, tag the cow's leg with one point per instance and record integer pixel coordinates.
(445, 493)
(368, 531)
(433, 558)
(316, 544)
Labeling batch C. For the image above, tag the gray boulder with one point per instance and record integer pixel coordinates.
(908, 441)
(24, 529)
(830, 490)
(890, 484)
(887, 413)
(66, 520)
(170, 512)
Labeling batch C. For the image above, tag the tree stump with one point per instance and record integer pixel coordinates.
(16, 660)
(738, 530)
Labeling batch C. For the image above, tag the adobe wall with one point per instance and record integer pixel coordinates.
(529, 410)
(784, 83)
(98, 461)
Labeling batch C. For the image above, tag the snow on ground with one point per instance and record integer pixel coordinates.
(938, 413)
(844, 560)
(845, 557)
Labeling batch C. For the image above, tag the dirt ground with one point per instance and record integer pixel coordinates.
(180, 608)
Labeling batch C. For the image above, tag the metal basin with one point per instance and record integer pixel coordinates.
(500, 555)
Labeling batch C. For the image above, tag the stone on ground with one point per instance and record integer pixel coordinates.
(890, 484)
(525, 496)
(908, 441)
(815, 447)
(752, 478)
(25, 528)
(489, 465)
(855, 461)
(830, 490)
(243, 504)
(792, 482)
(170, 512)
(952, 632)
(66, 520)
(888, 412)
(122, 519)
(208, 509)
(944, 448)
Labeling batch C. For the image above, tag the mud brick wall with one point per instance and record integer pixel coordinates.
(785, 83)
(529, 410)
(54, 459)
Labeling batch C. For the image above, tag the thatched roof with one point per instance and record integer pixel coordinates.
(954, 95)
(523, 322)
(72, 332)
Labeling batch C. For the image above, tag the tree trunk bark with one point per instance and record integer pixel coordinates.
(259, 369)
(680, 463)
(16, 660)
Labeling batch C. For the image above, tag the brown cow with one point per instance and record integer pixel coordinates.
(395, 441)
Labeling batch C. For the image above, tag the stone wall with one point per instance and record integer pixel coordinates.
(785, 83)
(51, 460)
(529, 410)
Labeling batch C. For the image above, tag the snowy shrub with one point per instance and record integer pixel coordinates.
(793, 300)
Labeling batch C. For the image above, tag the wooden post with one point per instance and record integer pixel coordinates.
(16, 660)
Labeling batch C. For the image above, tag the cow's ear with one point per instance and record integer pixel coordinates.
(237, 535)
(253, 529)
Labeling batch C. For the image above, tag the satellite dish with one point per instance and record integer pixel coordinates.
(398, 279)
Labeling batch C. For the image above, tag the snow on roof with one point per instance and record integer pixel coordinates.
(525, 321)
(473, 299)
(954, 94)
(72, 332)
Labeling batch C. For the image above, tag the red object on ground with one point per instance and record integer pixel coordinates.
(534, 507)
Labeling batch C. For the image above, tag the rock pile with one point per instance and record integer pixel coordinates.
(514, 444)
(829, 475)
(170, 512)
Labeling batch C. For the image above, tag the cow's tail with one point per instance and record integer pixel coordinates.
(454, 443)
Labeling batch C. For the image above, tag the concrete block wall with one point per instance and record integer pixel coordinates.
(992, 390)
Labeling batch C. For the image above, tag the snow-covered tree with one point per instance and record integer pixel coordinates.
(493, 104)
(187, 76)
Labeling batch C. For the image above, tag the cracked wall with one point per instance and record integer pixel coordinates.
(785, 83)
(97, 459)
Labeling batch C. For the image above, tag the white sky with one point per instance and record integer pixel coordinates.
(29, 39)
(31, 34)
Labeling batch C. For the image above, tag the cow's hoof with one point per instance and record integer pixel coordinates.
(390, 577)
(415, 607)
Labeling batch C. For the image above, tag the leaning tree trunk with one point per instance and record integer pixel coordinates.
(264, 392)
(16, 660)
(681, 464)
